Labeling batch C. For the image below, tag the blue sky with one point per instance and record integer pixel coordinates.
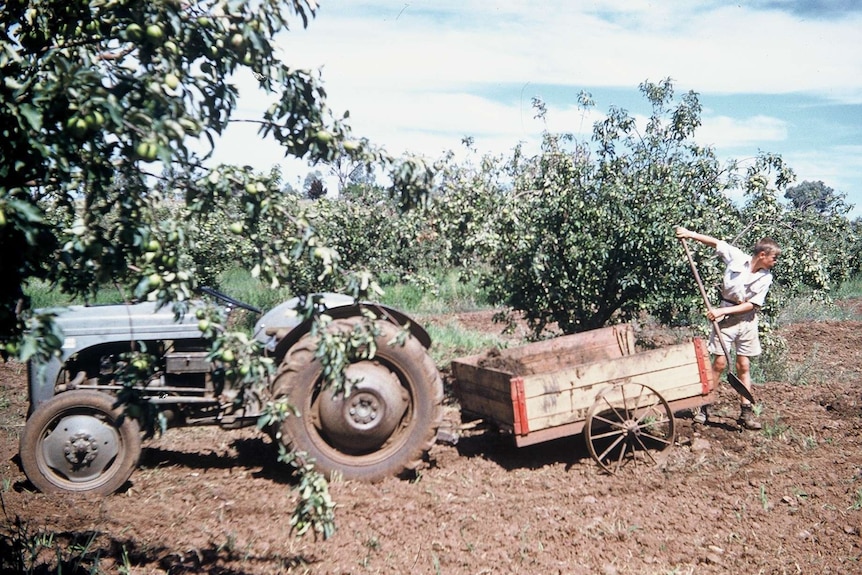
(772, 75)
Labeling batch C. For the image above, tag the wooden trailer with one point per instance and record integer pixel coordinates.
(593, 383)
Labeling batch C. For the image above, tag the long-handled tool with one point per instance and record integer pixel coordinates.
(734, 381)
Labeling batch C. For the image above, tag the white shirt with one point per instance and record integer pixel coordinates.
(739, 283)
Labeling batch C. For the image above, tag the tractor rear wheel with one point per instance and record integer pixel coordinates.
(382, 428)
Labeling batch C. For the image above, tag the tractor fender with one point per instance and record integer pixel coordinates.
(281, 328)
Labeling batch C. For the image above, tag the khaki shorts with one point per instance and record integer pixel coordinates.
(739, 335)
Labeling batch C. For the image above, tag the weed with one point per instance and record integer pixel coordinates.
(806, 442)
(230, 543)
(612, 529)
(857, 503)
(373, 543)
(764, 501)
(771, 365)
(126, 567)
(809, 372)
(775, 429)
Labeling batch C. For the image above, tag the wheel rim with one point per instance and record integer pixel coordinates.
(627, 424)
(368, 418)
(79, 449)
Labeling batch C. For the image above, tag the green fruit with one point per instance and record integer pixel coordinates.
(77, 125)
(171, 81)
(155, 32)
(153, 246)
(155, 281)
(236, 227)
(2, 218)
(134, 32)
(323, 136)
(227, 356)
(147, 151)
(200, 314)
(237, 40)
(251, 188)
(204, 325)
(204, 21)
(351, 146)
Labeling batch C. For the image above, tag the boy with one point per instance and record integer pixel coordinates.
(744, 287)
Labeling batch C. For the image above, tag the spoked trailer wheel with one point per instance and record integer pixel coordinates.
(626, 425)
(383, 427)
(79, 442)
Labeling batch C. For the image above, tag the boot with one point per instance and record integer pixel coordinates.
(747, 419)
(701, 416)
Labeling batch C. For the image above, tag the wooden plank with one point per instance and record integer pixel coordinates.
(568, 412)
(553, 354)
(466, 389)
(575, 349)
(587, 375)
(664, 381)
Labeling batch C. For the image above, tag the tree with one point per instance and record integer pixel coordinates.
(103, 107)
(590, 237)
(813, 195)
(102, 100)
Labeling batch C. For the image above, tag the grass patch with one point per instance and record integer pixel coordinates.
(43, 294)
(239, 284)
(452, 341)
(449, 293)
(804, 310)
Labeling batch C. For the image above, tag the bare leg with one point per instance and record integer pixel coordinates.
(743, 372)
(719, 363)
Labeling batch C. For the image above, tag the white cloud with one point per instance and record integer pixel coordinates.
(726, 132)
(421, 75)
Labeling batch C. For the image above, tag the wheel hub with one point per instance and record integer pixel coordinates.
(81, 449)
(366, 418)
(631, 426)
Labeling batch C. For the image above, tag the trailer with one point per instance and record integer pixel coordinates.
(595, 383)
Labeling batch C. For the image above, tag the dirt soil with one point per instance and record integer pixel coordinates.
(786, 499)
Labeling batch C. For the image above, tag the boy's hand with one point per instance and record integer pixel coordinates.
(682, 233)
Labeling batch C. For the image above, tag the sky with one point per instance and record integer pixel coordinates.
(778, 76)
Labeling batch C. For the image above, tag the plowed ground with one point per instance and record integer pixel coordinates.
(783, 500)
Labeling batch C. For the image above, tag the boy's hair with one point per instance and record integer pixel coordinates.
(767, 245)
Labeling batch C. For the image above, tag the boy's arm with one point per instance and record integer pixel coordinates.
(718, 313)
(683, 233)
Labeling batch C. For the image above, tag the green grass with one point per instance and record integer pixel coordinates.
(450, 293)
(451, 341)
(43, 294)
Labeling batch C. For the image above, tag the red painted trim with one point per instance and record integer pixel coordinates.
(704, 367)
(519, 406)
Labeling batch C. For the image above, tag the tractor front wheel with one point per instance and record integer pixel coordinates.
(79, 442)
